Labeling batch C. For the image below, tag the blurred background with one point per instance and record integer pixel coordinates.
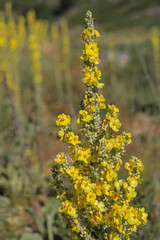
(40, 77)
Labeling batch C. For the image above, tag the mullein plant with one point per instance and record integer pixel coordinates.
(11, 80)
(35, 39)
(96, 203)
(21, 31)
(57, 63)
(156, 54)
(66, 60)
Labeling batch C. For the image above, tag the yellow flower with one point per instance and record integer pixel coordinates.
(60, 158)
(104, 164)
(114, 195)
(113, 108)
(98, 189)
(109, 218)
(90, 79)
(85, 34)
(97, 72)
(140, 165)
(84, 116)
(119, 140)
(91, 108)
(61, 134)
(81, 200)
(86, 69)
(117, 184)
(91, 53)
(84, 155)
(102, 105)
(128, 137)
(96, 34)
(132, 182)
(91, 197)
(87, 186)
(75, 228)
(118, 209)
(100, 206)
(98, 218)
(106, 189)
(77, 183)
(91, 49)
(72, 139)
(111, 175)
(142, 215)
(130, 192)
(64, 206)
(115, 124)
(72, 172)
(100, 85)
(132, 217)
(114, 236)
(67, 207)
(72, 211)
(73, 153)
(110, 143)
(129, 165)
(63, 120)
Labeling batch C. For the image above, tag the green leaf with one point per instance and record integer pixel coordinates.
(39, 221)
(31, 236)
(50, 210)
(51, 206)
(49, 227)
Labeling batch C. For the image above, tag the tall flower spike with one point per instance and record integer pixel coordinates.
(96, 203)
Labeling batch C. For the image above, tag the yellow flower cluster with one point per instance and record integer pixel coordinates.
(86, 34)
(9, 50)
(156, 50)
(63, 120)
(13, 39)
(96, 203)
(35, 47)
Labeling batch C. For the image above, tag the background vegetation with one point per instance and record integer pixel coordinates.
(40, 77)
